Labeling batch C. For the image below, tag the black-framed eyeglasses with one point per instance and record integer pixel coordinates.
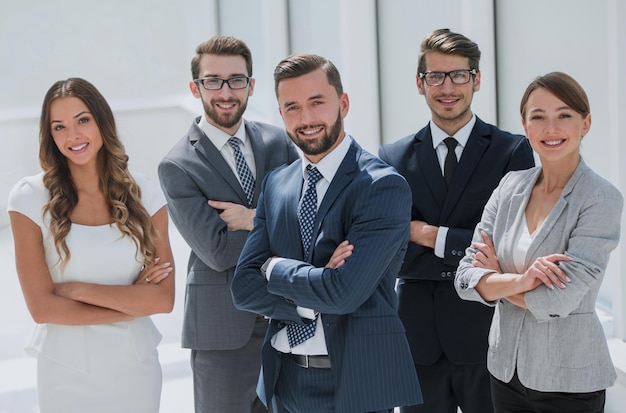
(458, 77)
(215, 83)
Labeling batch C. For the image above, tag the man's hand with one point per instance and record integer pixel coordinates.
(341, 253)
(423, 234)
(237, 217)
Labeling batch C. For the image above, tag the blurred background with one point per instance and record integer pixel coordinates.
(137, 53)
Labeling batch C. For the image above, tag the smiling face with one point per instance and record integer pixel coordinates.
(553, 129)
(450, 104)
(223, 108)
(313, 113)
(75, 131)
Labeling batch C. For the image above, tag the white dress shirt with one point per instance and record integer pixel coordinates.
(438, 136)
(219, 138)
(328, 167)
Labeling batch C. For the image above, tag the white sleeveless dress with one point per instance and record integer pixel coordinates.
(108, 368)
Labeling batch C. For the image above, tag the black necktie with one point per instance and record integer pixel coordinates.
(245, 175)
(450, 164)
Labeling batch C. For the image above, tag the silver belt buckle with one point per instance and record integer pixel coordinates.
(306, 358)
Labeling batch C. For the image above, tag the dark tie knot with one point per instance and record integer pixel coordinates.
(234, 142)
(450, 143)
(313, 175)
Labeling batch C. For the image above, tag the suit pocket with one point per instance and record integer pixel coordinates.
(571, 340)
(207, 277)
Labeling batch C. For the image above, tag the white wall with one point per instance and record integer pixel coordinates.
(402, 26)
(585, 45)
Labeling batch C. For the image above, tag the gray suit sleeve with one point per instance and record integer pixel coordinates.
(199, 224)
(590, 243)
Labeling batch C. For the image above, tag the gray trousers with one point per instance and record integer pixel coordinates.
(224, 381)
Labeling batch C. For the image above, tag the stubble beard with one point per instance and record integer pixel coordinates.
(322, 145)
(224, 120)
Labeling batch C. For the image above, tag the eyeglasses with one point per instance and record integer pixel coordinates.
(214, 83)
(458, 77)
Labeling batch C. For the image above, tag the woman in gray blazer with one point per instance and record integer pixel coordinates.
(539, 255)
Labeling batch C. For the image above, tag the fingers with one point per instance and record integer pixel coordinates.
(219, 204)
(157, 272)
(341, 253)
(550, 273)
(487, 240)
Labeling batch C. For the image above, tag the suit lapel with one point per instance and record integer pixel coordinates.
(472, 153)
(291, 192)
(341, 179)
(515, 213)
(205, 148)
(555, 213)
(258, 149)
(428, 165)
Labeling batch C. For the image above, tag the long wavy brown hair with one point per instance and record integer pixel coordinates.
(120, 190)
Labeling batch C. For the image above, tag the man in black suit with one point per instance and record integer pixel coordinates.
(448, 336)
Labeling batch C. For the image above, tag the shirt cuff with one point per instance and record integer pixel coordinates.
(440, 242)
(306, 313)
(270, 267)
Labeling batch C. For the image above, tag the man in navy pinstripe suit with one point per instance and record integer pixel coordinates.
(357, 359)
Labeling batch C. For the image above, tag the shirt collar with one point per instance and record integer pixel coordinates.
(218, 137)
(461, 136)
(330, 163)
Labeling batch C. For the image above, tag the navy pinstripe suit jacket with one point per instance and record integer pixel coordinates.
(369, 204)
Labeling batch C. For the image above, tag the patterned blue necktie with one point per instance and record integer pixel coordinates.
(245, 176)
(297, 333)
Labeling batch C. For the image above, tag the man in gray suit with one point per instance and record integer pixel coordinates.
(212, 179)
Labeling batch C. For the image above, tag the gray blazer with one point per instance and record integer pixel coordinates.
(558, 344)
(190, 174)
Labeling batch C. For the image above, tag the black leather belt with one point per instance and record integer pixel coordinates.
(318, 362)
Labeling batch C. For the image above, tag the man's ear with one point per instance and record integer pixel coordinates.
(477, 81)
(193, 86)
(420, 85)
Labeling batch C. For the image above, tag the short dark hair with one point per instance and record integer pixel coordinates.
(447, 42)
(301, 64)
(222, 46)
(564, 87)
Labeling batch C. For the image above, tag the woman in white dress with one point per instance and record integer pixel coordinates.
(94, 261)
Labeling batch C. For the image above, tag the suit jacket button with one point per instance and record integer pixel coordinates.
(443, 274)
(449, 274)
(453, 252)
(554, 316)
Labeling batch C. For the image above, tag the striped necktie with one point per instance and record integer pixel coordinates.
(245, 175)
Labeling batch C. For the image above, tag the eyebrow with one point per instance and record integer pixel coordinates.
(318, 96)
(557, 109)
(211, 75)
(74, 117)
